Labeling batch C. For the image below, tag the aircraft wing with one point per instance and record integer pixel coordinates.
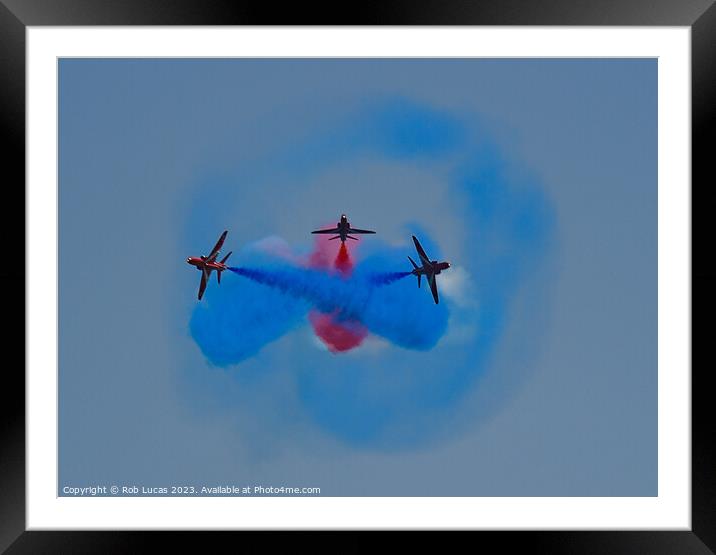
(423, 257)
(334, 230)
(434, 288)
(354, 230)
(202, 285)
(217, 247)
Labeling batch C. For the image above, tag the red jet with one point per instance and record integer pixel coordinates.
(208, 263)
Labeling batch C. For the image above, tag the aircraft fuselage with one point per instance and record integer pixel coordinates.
(434, 268)
(200, 263)
(343, 227)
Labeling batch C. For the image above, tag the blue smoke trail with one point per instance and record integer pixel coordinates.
(283, 281)
(328, 293)
(386, 308)
(387, 278)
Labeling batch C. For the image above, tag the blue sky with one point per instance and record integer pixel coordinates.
(536, 178)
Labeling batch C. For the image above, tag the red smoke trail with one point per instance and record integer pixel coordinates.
(343, 262)
(337, 336)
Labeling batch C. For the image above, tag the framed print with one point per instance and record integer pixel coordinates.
(433, 274)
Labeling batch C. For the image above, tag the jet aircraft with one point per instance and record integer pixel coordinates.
(343, 230)
(429, 268)
(208, 263)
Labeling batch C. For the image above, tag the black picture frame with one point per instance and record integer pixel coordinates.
(16, 15)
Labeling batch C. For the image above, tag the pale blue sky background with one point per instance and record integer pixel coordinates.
(536, 178)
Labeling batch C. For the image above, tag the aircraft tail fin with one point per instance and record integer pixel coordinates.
(419, 280)
(223, 260)
(218, 275)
